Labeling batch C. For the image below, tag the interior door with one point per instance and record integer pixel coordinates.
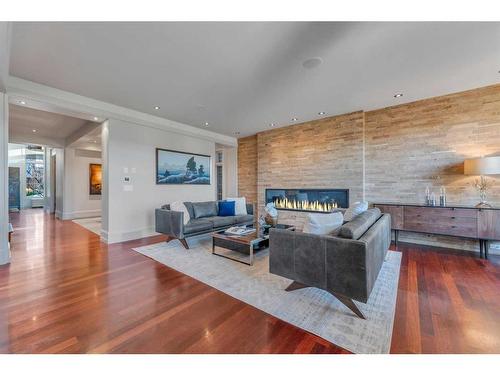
(14, 188)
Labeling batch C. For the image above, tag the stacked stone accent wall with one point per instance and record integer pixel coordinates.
(385, 155)
(247, 168)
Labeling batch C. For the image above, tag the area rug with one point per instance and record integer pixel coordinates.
(92, 224)
(311, 309)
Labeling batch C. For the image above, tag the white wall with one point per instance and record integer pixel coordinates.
(230, 172)
(77, 202)
(59, 153)
(4, 191)
(130, 151)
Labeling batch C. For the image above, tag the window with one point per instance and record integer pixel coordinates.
(219, 157)
(34, 172)
(219, 182)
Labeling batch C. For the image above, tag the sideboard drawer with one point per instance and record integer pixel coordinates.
(441, 212)
(450, 221)
(396, 213)
(488, 224)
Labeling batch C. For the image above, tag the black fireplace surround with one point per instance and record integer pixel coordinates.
(308, 200)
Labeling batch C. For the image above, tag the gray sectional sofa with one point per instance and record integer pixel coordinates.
(345, 264)
(204, 219)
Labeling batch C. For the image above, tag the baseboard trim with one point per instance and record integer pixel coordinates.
(115, 237)
(80, 214)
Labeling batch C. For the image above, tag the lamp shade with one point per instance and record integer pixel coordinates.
(482, 166)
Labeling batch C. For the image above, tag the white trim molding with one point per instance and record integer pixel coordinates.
(115, 237)
(76, 105)
(4, 180)
(80, 214)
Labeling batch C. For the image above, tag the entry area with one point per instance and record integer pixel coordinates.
(55, 165)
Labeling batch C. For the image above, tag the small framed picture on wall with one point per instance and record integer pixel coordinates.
(95, 179)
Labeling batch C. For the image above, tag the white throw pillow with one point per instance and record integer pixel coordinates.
(356, 209)
(240, 205)
(181, 207)
(323, 223)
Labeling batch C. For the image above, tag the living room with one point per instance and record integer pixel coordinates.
(264, 187)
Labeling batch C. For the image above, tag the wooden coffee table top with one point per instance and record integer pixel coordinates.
(249, 238)
(246, 240)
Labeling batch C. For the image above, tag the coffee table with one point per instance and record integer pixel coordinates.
(248, 244)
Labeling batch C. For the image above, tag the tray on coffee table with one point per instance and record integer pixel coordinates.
(247, 244)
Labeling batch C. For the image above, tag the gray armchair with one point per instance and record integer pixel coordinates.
(203, 219)
(346, 265)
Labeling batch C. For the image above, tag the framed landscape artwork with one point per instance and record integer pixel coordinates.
(95, 179)
(182, 168)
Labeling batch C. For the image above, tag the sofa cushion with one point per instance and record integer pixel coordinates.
(239, 219)
(221, 221)
(198, 225)
(240, 205)
(226, 208)
(356, 209)
(318, 223)
(355, 228)
(181, 207)
(189, 206)
(204, 209)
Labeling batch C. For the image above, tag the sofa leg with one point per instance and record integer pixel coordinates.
(346, 301)
(349, 303)
(295, 285)
(184, 243)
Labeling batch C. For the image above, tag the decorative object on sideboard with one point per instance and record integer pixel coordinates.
(442, 196)
(482, 167)
(432, 201)
(427, 196)
(271, 217)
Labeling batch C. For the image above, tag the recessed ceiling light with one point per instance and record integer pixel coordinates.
(272, 124)
(295, 119)
(398, 95)
(312, 62)
(96, 118)
(34, 130)
(321, 113)
(157, 107)
(22, 102)
(206, 124)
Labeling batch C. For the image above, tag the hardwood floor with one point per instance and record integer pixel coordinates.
(66, 292)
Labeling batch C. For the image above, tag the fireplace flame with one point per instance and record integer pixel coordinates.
(305, 205)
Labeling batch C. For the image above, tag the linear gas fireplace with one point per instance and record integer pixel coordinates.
(314, 200)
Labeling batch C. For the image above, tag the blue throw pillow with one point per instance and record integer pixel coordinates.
(226, 208)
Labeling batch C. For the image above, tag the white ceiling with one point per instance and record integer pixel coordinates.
(90, 141)
(240, 77)
(23, 120)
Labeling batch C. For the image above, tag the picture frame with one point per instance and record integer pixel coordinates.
(182, 168)
(95, 179)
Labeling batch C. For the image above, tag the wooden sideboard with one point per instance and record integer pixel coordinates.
(482, 224)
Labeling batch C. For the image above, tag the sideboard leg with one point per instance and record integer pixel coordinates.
(396, 235)
(486, 248)
(480, 248)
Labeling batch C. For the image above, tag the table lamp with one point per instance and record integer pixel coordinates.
(482, 167)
